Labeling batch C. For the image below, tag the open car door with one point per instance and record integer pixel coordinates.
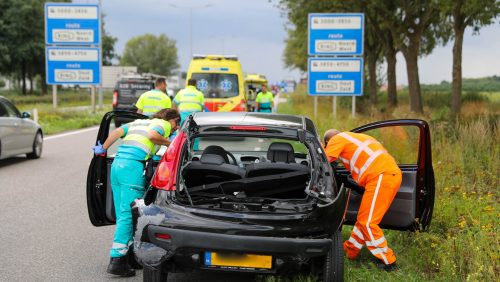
(99, 194)
(408, 141)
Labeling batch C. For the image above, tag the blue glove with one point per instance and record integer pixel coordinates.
(98, 149)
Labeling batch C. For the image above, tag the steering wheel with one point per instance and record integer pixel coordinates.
(232, 157)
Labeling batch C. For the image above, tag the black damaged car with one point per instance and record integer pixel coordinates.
(250, 192)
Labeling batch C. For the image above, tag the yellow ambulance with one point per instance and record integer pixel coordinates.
(221, 80)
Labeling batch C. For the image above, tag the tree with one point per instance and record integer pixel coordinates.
(389, 49)
(151, 54)
(415, 26)
(464, 13)
(108, 46)
(24, 40)
(373, 46)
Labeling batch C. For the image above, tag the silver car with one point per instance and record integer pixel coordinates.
(18, 133)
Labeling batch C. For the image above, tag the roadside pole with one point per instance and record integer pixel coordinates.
(99, 97)
(54, 96)
(353, 106)
(315, 106)
(92, 98)
(334, 106)
(35, 115)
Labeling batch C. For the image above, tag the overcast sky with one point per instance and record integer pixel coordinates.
(254, 31)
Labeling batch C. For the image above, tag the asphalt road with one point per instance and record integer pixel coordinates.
(45, 233)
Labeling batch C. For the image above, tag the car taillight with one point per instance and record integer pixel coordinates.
(164, 178)
(161, 179)
(163, 236)
(115, 99)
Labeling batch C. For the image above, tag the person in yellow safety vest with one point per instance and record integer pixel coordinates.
(141, 140)
(378, 173)
(264, 100)
(154, 100)
(189, 100)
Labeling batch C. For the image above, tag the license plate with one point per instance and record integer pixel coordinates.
(232, 260)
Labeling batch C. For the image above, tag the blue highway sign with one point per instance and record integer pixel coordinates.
(335, 76)
(335, 34)
(72, 65)
(72, 24)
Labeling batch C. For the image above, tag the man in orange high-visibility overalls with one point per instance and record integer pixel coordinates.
(375, 170)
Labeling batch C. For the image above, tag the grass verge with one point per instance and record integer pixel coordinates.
(462, 243)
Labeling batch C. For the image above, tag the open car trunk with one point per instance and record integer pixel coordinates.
(274, 178)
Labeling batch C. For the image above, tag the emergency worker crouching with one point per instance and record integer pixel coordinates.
(377, 171)
(189, 100)
(141, 140)
(154, 100)
(264, 100)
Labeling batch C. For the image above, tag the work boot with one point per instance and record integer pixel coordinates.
(131, 258)
(119, 266)
(387, 267)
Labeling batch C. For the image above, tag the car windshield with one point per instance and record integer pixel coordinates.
(217, 85)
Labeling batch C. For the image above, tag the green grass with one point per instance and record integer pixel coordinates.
(462, 243)
(54, 121)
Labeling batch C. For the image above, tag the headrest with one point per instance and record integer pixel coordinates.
(216, 150)
(212, 159)
(281, 152)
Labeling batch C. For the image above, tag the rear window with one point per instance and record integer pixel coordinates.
(217, 85)
(248, 146)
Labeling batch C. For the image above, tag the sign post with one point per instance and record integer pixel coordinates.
(73, 44)
(335, 49)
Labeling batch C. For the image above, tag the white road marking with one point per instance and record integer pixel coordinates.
(71, 133)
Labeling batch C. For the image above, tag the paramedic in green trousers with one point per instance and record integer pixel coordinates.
(141, 140)
(264, 100)
(152, 101)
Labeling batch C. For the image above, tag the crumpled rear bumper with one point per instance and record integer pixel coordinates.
(161, 233)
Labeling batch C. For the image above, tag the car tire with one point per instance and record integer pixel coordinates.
(150, 274)
(37, 147)
(333, 268)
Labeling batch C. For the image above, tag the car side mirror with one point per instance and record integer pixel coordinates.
(25, 115)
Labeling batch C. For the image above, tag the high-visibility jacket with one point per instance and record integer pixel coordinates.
(265, 100)
(153, 101)
(362, 155)
(136, 143)
(189, 99)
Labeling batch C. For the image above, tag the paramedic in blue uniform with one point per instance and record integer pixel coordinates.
(141, 140)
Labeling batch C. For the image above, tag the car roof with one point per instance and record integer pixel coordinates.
(251, 118)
